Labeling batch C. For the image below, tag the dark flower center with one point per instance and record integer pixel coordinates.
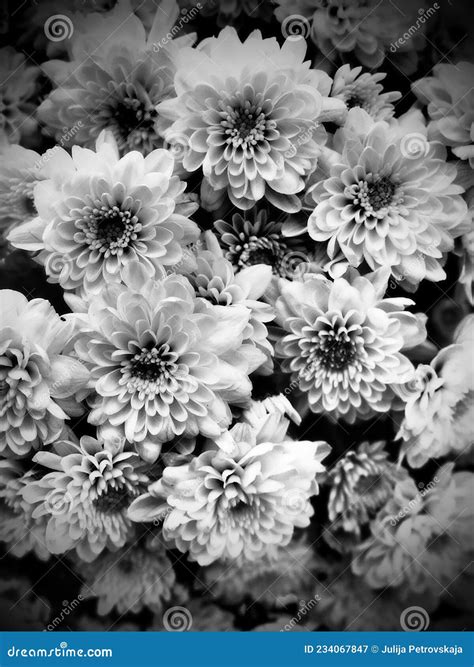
(354, 101)
(109, 230)
(245, 126)
(150, 365)
(380, 193)
(337, 351)
(113, 501)
(134, 123)
(151, 371)
(261, 256)
(261, 251)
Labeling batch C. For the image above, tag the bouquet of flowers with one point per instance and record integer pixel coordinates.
(236, 285)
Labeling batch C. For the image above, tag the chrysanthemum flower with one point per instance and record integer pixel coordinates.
(214, 280)
(279, 578)
(20, 170)
(386, 205)
(344, 342)
(241, 107)
(439, 411)
(116, 76)
(363, 29)
(259, 240)
(241, 500)
(18, 83)
(360, 483)
(364, 90)
(99, 212)
(86, 495)
(450, 98)
(163, 362)
(20, 533)
(39, 377)
(421, 541)
(129, 580)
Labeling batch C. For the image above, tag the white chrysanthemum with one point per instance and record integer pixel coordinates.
(344, 342)
(164, 363)
(390, 200)
(20, 170)
(116, 76)
(86, 494)
(99, 212)
(364, 90)
(360, 483)
(21, 534)
(240, 500)
(38, 375)
(421, 541)
(450, 98)
(214, 280)
(362, 29)
(439, 411)
(279, 578)
(18, 83)
(239, 110)
(129, 580)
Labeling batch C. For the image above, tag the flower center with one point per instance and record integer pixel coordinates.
(133, 123)
(380, 193)
(245, 126)
(336, 350)
(261, 251)
(113, 501)
(109, 230)
(354, 100)
(151, 371)
(243, 513)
